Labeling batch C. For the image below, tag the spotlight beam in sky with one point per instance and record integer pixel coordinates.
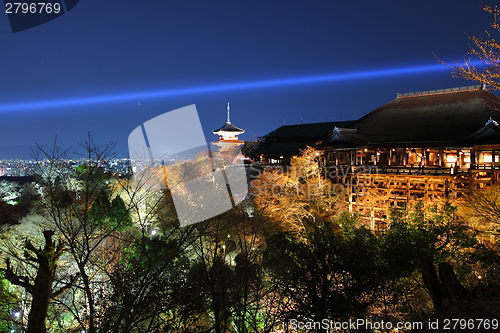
(316, 79)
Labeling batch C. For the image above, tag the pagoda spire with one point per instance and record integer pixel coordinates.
(228, 134)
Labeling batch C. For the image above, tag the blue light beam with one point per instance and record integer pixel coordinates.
(79, 101)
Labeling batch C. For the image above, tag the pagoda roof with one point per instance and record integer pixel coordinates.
(228, 127)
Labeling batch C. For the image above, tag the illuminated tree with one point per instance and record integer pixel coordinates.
(9, 190)
(302, 193)
(15, 201)
(483, 207)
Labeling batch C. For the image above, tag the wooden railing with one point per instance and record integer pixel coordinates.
(485, 167)
(428, 170)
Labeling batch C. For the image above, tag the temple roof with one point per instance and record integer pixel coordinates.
(278, 148)
(488, 134)
(454, 117)
(304, 132)
(289, 140)
(343, 138)
(228, 127)
(434, 116)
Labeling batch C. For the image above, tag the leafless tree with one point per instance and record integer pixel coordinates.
(487, 51)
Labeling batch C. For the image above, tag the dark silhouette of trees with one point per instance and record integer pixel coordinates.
(329, 274)
(445, 252)
(147, 281)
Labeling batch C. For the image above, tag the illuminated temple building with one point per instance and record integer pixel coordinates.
(429, 145)
(228, 134)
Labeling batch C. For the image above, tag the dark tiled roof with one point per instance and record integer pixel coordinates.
(488, 134)
(228, 127)
(280, 148)
(343, 138)
(458, 116)
(441, 117)
(304, 132)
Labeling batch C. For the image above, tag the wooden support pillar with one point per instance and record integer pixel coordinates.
(372, 218)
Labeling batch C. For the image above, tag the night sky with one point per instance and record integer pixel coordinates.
(192, 52)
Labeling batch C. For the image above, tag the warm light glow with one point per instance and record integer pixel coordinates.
(451, 159)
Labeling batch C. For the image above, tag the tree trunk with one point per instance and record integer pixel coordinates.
(38, 312)
(452, 288)
(431, 281)
(41, 289)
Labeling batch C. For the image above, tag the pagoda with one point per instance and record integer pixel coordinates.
(228, 134)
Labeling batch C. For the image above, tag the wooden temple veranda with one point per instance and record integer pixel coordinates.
(432, 145)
